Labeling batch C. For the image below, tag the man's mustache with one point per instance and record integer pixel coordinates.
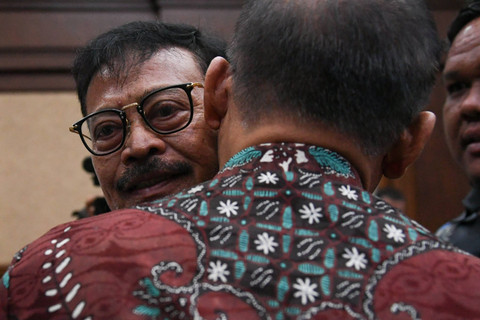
(151, 168)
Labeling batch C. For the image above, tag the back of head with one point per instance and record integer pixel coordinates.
(362, 67)
(132, 44)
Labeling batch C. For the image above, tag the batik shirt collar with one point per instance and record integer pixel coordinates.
(294, 155)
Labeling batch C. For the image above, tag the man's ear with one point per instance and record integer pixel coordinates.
(409, 146)
(217, 90)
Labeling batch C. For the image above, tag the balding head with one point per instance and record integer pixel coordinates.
(365, 67)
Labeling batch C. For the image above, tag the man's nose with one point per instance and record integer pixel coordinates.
(470, 106)
(141, 142)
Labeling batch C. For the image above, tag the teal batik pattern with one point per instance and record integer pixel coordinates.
(286, 226)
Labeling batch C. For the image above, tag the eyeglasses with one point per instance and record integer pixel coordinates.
(165, 111)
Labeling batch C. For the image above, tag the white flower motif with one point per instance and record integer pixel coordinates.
(268, 178)
(196, 189)
(305, 290)
(349, 193)
(311, 213)
(300, 157)
(228, 208)
(218, 271)
(265, 243)
(356, 259)
(285, 164)
(393, 233)
(267, 157)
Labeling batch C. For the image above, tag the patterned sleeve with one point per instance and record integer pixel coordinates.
(4, 296)
(5, 291)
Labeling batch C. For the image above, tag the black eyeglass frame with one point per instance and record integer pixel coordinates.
(187, 87)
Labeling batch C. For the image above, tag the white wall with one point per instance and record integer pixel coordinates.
(41, 176)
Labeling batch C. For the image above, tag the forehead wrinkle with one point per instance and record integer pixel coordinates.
(123, 69)
(465, 52)
(466, 36)
(457, 66)
(126, 72)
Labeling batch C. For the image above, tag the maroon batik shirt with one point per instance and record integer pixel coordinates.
(284, 231)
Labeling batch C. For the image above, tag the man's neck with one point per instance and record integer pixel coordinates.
(237, 138)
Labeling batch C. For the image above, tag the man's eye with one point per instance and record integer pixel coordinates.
(106, 131)
(457, 87)
(168, 115)
(164, 111)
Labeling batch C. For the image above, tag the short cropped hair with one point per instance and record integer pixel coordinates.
(139, 41)
(467, 14)
(365, 68)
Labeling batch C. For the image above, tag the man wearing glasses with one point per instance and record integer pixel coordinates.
(140, 88)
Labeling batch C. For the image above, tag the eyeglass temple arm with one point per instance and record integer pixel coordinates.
(195, 84)
(75, 130)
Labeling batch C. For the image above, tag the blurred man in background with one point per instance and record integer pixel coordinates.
(461, 114)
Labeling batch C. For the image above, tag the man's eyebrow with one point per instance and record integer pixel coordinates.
(149, 90)
(146, 91)
(461, 73)
(450, 75)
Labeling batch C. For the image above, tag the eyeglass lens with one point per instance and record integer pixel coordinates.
(164, 111)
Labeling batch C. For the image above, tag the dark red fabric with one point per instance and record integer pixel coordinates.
(285, 231)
